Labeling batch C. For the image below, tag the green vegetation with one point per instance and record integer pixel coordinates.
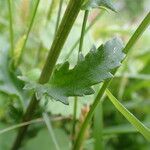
(74, 74)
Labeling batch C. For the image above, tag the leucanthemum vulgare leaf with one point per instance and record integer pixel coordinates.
(90, 4)
(93, 69)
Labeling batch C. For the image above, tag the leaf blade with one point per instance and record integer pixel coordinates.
(93, 69)
(129, 116)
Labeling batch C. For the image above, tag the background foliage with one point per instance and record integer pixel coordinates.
(131, 85)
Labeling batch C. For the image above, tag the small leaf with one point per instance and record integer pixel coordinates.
(93, 69)
(90, 4)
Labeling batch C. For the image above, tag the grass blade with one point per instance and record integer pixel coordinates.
(28, 32)
(129, 116)
(11, 27)
(50, 129)
(58, 15)
(122, 129)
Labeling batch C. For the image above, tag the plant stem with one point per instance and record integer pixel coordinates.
(67, 22)
(137, 34)
(87, 29)
(98, 127)
(145, 23)
(80, 50)
(34, 121)
(50, 129)
(11, 27)
(58, 15)
(74, 118)
(48, 18)
(28, 32)
(80, 137)
(60, 38)
(51, 7)
(86, 13)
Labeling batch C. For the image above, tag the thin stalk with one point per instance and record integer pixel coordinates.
(89, 116)
(86, 13)
(137, 34)
(98, 127)
(87, 29)
(129, 116)
(38, 120)
(28, 32)
(123, 84)
(48, 18)
(11, 27)
(67, 22)
(145, 23)
(50, 10)
(74, 118)
(50, 129)
(110, 130)
(80, 50)
(59, 15)
(20, 125)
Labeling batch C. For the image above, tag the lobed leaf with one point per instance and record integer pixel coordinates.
(94, 68)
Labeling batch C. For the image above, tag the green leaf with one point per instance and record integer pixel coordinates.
(93, 69)
(90, 4)
(129, 116)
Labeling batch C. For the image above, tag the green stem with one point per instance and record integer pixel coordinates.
(67, 22)
(98, 127)
(80, 50)
(74, 117)
(89, 116)
(50, 129)
(60, 38)
(34, 121)
(28, 32)
(48, 18)
(11, 27)
(59, 15)
(87, 29)
(128, 47)
(137, 34)
(50, 11)
(129, 116)
(86, 13)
